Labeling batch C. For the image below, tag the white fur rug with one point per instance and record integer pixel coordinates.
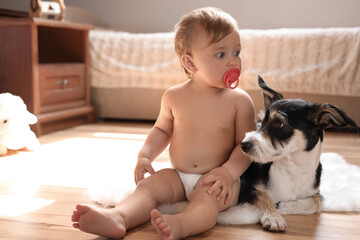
(340, 188)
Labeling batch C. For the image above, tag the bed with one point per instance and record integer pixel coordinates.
(130, 71)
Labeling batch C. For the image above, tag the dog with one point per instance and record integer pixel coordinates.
(284, 176)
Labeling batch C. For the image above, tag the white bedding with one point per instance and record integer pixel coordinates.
(314, 61)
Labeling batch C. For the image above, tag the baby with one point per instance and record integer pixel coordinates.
(204, 119)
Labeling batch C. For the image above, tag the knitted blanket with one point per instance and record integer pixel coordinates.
(314, 61)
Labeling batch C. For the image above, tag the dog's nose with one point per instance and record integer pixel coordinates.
(246, 146)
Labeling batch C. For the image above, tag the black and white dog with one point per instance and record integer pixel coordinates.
(284, 176)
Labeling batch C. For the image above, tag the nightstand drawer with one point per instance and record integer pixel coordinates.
(62, 86)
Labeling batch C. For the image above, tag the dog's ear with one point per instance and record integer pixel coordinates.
(329, 116)
(269, 94)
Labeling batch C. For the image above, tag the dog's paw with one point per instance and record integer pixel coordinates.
(309, 205)
(273, 223)
(285, 207)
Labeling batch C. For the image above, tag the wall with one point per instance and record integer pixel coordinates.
(162, 15)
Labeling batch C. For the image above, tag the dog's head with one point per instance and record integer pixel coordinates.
(291, 125)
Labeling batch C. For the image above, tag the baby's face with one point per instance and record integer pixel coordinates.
(213, 60)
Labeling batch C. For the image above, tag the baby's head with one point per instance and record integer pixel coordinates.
(216, 23)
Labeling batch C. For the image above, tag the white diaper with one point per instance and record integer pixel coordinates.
(189, 181)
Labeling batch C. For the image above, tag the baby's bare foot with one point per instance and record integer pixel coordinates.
(168, 226)
(100, 221)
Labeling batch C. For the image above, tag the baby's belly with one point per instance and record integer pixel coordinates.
(200, 153)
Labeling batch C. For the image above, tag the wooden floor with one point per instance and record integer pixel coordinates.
(38, 190)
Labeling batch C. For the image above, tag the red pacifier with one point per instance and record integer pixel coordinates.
(231, 77)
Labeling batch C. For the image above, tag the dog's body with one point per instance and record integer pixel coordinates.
(284, 177)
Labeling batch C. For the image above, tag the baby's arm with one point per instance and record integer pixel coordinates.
(157, 139)
(224, 176)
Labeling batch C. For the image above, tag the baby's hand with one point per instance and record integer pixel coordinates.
(143, 166)
(220, 179)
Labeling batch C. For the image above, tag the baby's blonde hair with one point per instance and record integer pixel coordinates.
(216, 23)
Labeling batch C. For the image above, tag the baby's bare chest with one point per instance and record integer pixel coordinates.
(209, 116)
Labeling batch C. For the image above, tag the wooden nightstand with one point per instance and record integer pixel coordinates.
(46, 63)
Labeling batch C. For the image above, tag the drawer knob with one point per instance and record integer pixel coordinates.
(63, 82)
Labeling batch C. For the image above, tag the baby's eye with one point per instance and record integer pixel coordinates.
(237, 53)
(220, 55)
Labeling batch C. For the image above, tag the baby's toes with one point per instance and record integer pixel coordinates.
(76, 216)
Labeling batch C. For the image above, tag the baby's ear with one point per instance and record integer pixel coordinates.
(188, 62)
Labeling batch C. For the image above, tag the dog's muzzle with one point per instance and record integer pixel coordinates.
(246, 146)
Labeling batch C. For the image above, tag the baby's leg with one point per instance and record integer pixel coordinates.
(200, 214)
(162, 187)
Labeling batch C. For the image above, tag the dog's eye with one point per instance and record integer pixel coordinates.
(278, 124)
(5, 121)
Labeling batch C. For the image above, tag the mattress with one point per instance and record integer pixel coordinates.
(310, 61)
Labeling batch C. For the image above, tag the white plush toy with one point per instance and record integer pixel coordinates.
(15, 132)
